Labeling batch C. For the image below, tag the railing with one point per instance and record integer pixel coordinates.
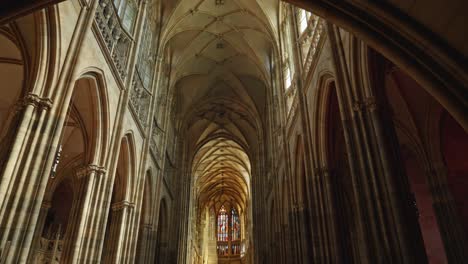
(140, 99)
(116, 38)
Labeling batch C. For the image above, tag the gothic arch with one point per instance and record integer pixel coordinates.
(125, 177)
(82, 137)
(98, 101)
(122, 202)
(28, 65)
(319, 117)
(398, 37)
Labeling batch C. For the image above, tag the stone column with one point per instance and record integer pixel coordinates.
(146, 244)
(39, 230)
(17, 184)
(117, 240)
(27, 170)
(378, 197)
(330, 242)
(450, 226)
(81, 237)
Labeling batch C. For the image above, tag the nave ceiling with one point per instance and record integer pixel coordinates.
(221, 59)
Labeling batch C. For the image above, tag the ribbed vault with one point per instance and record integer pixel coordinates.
(221, 58)
(224, 130)
(223, 173)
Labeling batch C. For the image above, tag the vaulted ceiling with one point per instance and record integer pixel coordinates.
(221, 54)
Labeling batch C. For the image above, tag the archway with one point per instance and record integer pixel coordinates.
(77, 150)
(222, 171)
(55, 227)
(13, 70)
(417, 121)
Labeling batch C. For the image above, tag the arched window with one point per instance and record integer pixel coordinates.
(235, 223)
(223, 227)
(229, 232)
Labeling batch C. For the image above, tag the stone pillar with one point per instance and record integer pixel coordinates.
(381, 217)
(39, 230)
(26, 173)
(146, 244)
(451, 229)
(19, 179)
(118, 240)
(329, 242)
(82, 238)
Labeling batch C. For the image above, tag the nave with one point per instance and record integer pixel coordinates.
(232, 131)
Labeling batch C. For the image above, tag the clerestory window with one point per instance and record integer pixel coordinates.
(127, 11)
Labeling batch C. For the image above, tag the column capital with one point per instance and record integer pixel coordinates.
(321, 171)
(371, 103)
(358, 106)
(121, 205)
(88, 169)
(35, 101)
(46, 205)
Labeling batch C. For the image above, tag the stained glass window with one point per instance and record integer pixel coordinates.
(223, 221)
(235, 225)
(228, 232)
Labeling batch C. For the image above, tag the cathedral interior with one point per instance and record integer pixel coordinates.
(233, 131)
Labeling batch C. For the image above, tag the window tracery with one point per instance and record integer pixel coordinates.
(228, 232)
(127, 10)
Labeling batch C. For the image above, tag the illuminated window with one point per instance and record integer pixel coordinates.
(223, 222)
(127, 10)
(303, 20)
(287, 78)
(235, 225)
(228, 232)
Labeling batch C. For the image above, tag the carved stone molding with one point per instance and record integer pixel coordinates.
(88, 169)
(34, 100)
(321, 171)
(46, 205)
(122, 205)
(358, 106)
(371, 104)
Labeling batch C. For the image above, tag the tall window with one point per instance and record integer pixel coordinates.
(127, 10)
(146, 58)
(229, 232)
(223, 225)
(235, 225)
(287, 77)
(303, 20)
